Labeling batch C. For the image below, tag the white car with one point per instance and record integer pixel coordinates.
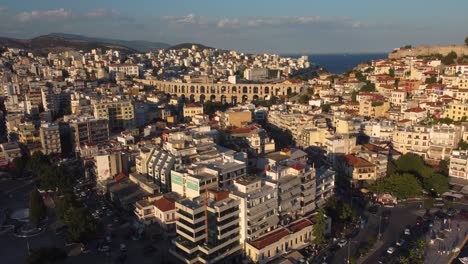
(342, 242)
(407, 232)
(400, 242)
(391, 250)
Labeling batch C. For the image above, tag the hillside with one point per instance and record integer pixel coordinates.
(138, 45)
(44, 44)
(428, 50)
(188, 46)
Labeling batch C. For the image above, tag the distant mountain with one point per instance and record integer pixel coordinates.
(138, 45)
(45, 44)
(188, 46)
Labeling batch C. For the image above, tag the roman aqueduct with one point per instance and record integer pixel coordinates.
(226, 93)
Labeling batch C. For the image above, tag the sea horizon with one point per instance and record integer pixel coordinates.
(338, 63)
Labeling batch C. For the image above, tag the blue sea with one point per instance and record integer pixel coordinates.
(339, 63)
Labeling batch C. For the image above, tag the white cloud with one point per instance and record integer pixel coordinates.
(99, 13)
(228, 22)
(54, 14)
(188, 19)
(254, 22)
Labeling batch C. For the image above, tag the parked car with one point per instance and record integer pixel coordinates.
(391, 250)
(400, 242)
(104, 248)
(342, 242)
(452, 212)
(440, 215)
(419, 221)
(123, 247)
(407, 231)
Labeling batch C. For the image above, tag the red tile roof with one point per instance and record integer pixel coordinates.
(281, 232)
(357, 162)
(270, 238)
(298, 166)
(164, 204)
(415, 110)
(120, 177)
(298, 226)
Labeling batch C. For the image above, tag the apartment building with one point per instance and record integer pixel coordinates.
(28, 134)
(120, 113)
(338, 145)
(456, 111)
(458, 168)
(160, 210)
(109, 164)
(88, 130)
(124, 68)
(442, 140)
(325, 185)
(359, 170)
(273, 245)
(314, 136)
(207, 228)
(50, 138)
(411, 139)
(296, 186)
(192, 110)
(258, 203)
(193, 182)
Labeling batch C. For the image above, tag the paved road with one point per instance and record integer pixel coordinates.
(390, 230)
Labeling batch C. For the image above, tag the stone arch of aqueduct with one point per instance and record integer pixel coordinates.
(226, 93)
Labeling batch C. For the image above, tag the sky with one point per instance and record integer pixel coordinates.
(273, 26)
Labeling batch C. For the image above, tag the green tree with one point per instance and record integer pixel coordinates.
(444, 166)
(319, 227)
(391, 72)
(80, 223)
(37, 208)
(413, 163)
(430, 80)
(463, 145)
(437, 183)
(401, 185)
(325, 108)
(450, 58)
(466, 41)
(304, 99)
(354, 96)
(368, 87)
(19, 165)
(346, 212)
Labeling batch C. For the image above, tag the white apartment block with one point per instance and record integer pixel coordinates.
(458, 168)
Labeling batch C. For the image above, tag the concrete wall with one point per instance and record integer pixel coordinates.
(426, 50)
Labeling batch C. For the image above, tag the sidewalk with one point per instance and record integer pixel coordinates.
(442, 251)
